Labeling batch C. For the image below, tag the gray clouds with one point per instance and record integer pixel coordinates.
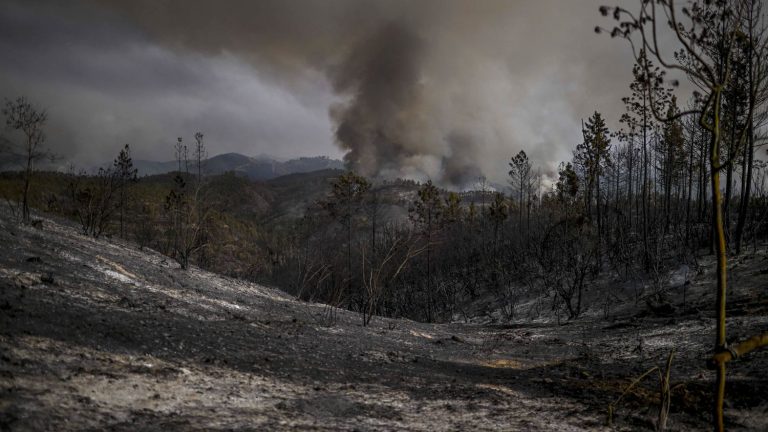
(445, 89)
(105, 83)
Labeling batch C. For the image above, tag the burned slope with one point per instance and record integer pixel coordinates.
(96, 334)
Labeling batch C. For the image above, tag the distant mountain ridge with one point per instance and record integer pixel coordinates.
(255, 168)
(260, 168)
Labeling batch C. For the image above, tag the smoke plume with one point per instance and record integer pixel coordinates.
(441, 89)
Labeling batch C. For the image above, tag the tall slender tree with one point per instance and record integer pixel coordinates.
(126, 175)
(520, 179)
(347, 197)
(427, 213)
(755, 27)
(21, 115)
(593, 156)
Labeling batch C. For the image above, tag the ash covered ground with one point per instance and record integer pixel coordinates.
(99, 335)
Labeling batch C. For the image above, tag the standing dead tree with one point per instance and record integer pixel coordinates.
(188, 214)
(93, 200)
(22, 115)
(188, 220)
(344, 205)
(396, 251)
(566, 258)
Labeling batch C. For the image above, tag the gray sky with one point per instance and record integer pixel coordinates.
(445, 89)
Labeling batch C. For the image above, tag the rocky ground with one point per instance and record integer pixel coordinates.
(98, 335)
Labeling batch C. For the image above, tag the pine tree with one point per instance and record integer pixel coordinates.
(427, 214)
(567, 186)
(671, 154)
(520, 177)
(498, 213)
(126, 175)
(453, 209)
(200, 154)
(593, 156)
(347, 195)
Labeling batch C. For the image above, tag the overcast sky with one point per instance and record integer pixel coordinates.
(445, 89)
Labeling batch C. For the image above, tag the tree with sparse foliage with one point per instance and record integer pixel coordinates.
(200, 154)
(21, 115)
(498, 212)
(520, 179)
(592, 155)
(126, 175)
(427, 214)
(93, 200)
(344, 204)
(188, 214)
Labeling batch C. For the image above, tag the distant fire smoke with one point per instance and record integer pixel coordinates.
(425, 88)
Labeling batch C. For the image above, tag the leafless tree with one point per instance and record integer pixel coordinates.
(93, 200)
(379, 271)
(23, 116)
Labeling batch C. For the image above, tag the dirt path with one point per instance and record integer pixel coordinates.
(95, 334)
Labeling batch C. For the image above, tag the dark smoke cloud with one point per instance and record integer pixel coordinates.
(376, 124)
(371, 53)
(441, 89)
(459, 165)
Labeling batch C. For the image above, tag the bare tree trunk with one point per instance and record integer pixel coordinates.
(747, 186)
(630, 160)
(690, 186)
(122, 207)
(429, 266)
(646, 250)
(746, 179)
(729, 179)
(27, 180)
